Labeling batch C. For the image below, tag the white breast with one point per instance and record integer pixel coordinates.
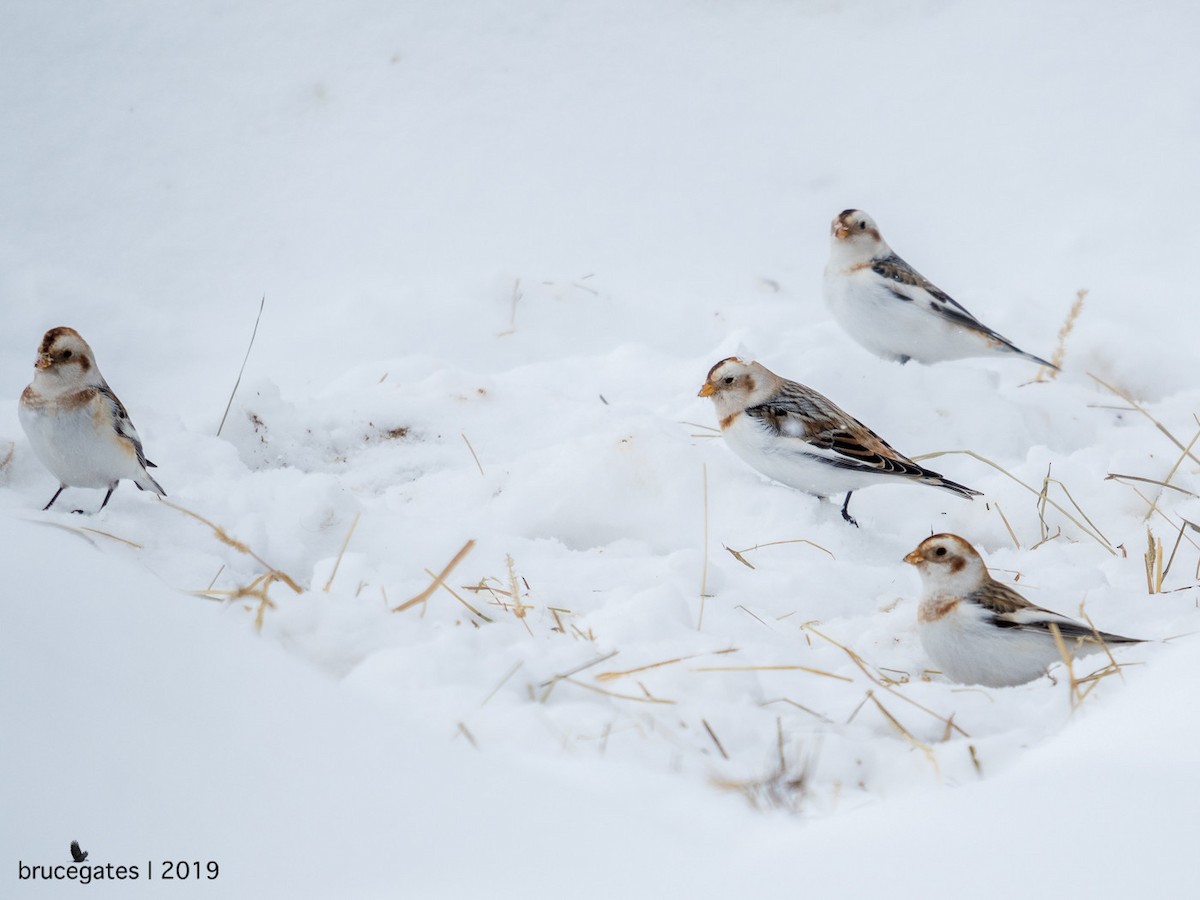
(75, 447)
(968, 648)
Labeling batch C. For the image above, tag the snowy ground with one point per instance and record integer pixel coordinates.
(500, 245)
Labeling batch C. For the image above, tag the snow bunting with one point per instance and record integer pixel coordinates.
(894, 311)
(791, 433)
(75, 423)
(979, 631)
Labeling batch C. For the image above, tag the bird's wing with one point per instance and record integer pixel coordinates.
(121, 422)
(907, 284)
(1010, 610)
(816, 427)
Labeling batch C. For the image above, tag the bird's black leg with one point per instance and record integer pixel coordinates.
(112, 487)
(846, 510)
(61, 488)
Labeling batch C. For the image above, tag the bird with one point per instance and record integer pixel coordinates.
(76, 425)
(77, 854)
(979, 631)
(894, 311)
(794, 435)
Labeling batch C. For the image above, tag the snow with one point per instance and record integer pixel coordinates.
(500, 246)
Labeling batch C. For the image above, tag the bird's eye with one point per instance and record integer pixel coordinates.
(66, 354)
(728, 379)
(862, 226)
(940, 551)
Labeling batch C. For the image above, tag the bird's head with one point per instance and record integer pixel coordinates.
(66, 355)
(855, 227)
(947, 563)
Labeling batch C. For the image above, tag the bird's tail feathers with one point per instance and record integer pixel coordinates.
(933, 478)
(149, 484)
(1038, 360)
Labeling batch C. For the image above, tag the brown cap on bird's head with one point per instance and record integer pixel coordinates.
(61, 345)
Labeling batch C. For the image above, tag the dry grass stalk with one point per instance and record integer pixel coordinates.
(704, 571)
(1174, 549)
(258, 589)
(519, 609)
(437, 579)
(223, 536)
(613, 676)
(1081, 687)
(1154, 563)
(1175, 468)
(1174, 525)
(442, 584)
(1157, 424)
(783, 787)
(908, 735)
(1094, 535)
(114, 537)
(341, 553)
(737, 554)
(503, 681)
(1060, 350)
(808, 669)
(716, 740)
(1116, 476)
(1043, 494)
(751, 615)
(512, 316)
(800, 706)
(550, 683)
(591, 687)
(245, 359)
(466, 732)
(8, 456)
(1003, 518)
(215, 577)
(975, 760)
(474, 455)
(884, 682)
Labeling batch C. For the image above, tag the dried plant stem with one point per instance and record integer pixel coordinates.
(1094, 535)
(437, 579)
(883, 682)
(737, 554)
(633, 697)
(908, 735)
(453, 593)
(224, 538)
(474, 455)
(1157, 424)
(114, 537)
(1003, 518)
(716, 740)
(341, 553)
(704, 570)
(245, 359)
(808, 669)
(1060, 350)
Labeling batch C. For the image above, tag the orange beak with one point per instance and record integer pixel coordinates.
(914, 558)
(43, 362)
(708, 390)
(841, 232)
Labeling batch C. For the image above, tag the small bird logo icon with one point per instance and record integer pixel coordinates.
(77, 854)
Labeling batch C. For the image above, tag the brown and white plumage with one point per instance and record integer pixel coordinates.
(76, 425)
(892, 309)
(794, 435)
(979, 631)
